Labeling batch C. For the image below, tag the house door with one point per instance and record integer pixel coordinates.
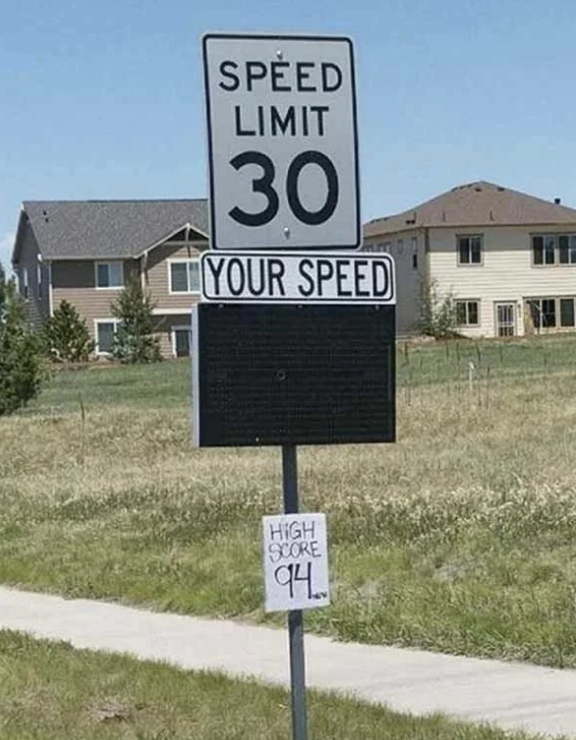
(506, 319)
(181, 341)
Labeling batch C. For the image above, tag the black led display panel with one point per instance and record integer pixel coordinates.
(293, 374)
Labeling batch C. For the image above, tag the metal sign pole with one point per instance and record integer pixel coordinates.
(295, 620)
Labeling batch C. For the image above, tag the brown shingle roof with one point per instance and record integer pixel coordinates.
(475, 204)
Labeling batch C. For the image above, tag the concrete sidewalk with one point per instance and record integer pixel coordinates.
(510, 695)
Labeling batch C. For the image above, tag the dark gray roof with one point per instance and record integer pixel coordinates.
(109, 228)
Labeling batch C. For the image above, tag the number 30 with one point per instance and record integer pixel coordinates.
(265, 185)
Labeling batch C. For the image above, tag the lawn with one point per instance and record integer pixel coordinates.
(48, 691)
(458, 538)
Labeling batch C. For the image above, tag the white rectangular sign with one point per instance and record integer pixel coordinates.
(282, 142)
(295, 561)
(264, 277)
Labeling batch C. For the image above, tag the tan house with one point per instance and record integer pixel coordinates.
(85, 251)
(509, 259)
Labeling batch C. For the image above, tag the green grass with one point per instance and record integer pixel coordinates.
(48, 691)
(102, 384)
(459, 537)
(448, 362)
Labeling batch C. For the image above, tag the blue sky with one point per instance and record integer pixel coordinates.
(104, 99)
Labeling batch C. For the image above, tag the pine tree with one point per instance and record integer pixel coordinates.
(2, 288)
(66, 335)
(22, 366)
(135, 341)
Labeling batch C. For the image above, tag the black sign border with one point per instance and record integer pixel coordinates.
(279, 37)
(202, 374)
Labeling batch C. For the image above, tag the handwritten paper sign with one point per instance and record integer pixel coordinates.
(295, 562)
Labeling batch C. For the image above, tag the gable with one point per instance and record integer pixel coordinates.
(186, 235)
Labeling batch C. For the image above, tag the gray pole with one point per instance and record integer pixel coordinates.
(295, 621)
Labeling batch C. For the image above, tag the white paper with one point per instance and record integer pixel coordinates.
(295, 562)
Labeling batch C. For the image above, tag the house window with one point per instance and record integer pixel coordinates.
(24, 289)
(543, 250)
(184, 276)
(554, 249)
(181, 341)
(467, 313)
(469, 249)
(105, 331)
(400, 246)
(109, 274)
(39, 279)
(543, 312)
(567, 312)
(548, 313)
(571, 251)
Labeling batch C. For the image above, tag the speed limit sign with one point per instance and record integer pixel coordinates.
(282, 142)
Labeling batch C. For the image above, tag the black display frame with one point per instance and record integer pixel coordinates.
(279, 374)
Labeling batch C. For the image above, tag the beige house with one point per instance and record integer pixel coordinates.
(509, 259)
(85, 251)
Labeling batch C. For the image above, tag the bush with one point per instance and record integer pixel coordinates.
(22, 367)
(66, 335)
(135, 341)
(437, 312)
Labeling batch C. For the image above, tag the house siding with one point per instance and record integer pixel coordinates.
(408, 278)
(156, 276)
(75, 281)
(38, 306)
(505, 275)
(165, 326)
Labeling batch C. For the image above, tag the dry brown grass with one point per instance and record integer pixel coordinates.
(458, 537)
